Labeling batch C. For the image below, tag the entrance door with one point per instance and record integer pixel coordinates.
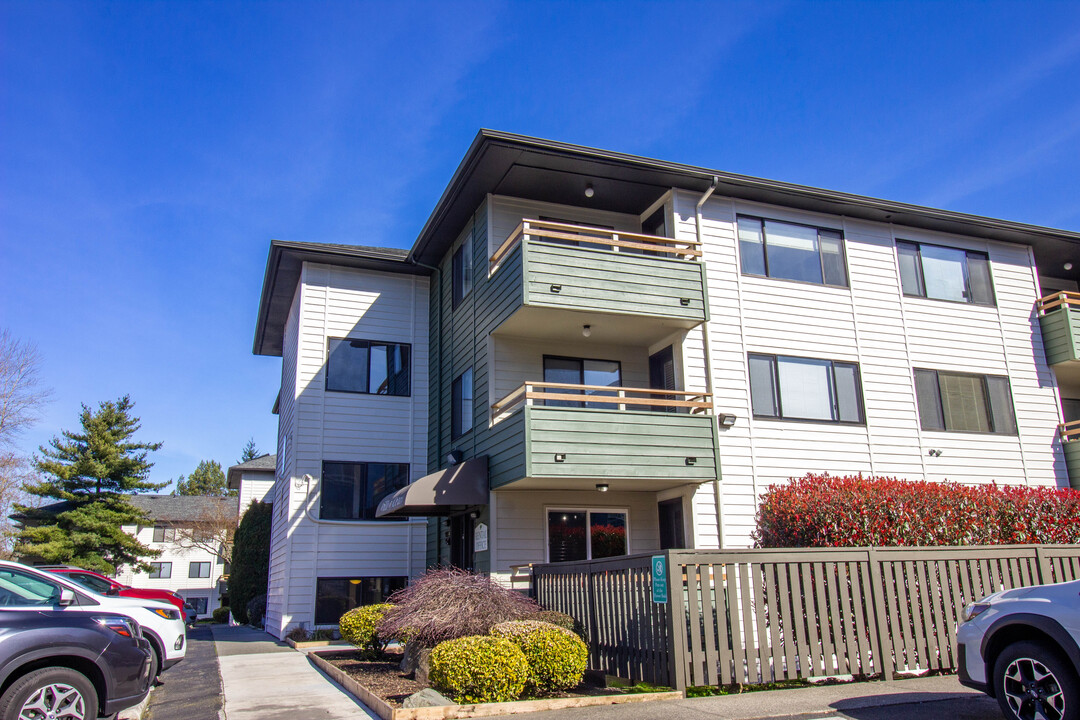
(461, 541)
(671, 524)
(662, 375)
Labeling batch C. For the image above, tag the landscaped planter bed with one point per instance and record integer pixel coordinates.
(382, 687)
(303, 644)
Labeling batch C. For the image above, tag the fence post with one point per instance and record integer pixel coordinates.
(676, 620)
(590, 599)
(1046, 574)
(879, 615)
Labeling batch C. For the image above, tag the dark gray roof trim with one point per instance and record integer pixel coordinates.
(264, 463)
(283, 268)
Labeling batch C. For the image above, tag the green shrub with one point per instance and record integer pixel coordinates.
(360, 626)
(298, 634)
(562, 620)
(221, 614)
(556, 656)
(256, 608)
(250, 560)
(478, 669)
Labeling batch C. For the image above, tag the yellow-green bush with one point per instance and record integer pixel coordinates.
(556, 656)
(477, 669)
(561, 619)
(360, 625)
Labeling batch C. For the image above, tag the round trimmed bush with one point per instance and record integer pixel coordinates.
(478, 669)
(360, 627)
(562, 620)
(221, 614)
(556, 656)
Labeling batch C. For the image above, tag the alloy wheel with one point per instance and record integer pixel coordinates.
(1032, 690)
(56, 701)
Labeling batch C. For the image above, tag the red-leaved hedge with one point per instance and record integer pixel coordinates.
(854, 511)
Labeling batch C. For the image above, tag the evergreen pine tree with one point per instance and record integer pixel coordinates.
(207, 479)
(93, 472)
(250, 451)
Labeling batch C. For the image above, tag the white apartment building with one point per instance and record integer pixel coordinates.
(587, 354)
(252, 481)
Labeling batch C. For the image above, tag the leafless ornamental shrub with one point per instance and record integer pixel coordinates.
(445, 604)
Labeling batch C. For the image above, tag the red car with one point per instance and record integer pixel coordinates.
(107, 586)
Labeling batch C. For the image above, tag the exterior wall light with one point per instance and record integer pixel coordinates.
(727, 419)
(589, 192)
(560, 457)
(586, 330)
(454, 457)
(602, 487)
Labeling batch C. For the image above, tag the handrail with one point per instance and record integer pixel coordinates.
(614, 239)
(696, 402)
(1058, 299)
(1070, 431)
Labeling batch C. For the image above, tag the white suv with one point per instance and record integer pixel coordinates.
(25, 588)
(1021, 647)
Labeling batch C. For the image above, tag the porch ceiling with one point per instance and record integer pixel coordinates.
(614, 484)
(537, 323)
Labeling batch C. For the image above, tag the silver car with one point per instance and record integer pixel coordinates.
(1021, 647)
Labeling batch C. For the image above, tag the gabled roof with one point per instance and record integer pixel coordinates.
(521, 166)
(161, 508)
(263, 464)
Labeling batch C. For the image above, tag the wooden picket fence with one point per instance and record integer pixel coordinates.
(763, 615)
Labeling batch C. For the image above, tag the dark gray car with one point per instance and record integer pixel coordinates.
(74, 666)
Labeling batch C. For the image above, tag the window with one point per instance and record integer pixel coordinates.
(795, 388)
(579, 371)
(336, 596)
(164, 534)
(198, 570)
(461, 405)
(961, 402)
(98, 585)
(160, 570)
(792, 252)
(21, 589)
(352, 491)
(601, 231)
(585, 534)
(198, 604)
(368, 366)
(461, 280)
(942, 273)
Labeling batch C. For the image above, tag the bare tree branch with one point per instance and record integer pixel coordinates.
(212, 530)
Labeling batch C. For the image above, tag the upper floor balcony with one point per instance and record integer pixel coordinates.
(654, 285)
(1070, 443)
(562, 436)
(1059, 318)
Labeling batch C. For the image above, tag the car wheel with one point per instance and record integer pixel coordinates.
(155, 664)
(54, 692)
(1034, 682)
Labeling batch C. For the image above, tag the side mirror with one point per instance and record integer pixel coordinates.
(113, 591)
(67, 597)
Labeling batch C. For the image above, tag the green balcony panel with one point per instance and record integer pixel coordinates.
(1061, 334)
(573, 448)
(1072, 462)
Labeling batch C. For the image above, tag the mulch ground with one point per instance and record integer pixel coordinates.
(385, 679)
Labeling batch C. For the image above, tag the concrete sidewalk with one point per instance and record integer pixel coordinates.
(264, 679)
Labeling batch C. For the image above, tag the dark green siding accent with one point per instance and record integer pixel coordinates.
(611, 444)
(1072, 461)
(1061, 335)
(504, 445)
(606, 281)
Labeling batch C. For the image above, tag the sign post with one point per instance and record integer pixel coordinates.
(659, 579)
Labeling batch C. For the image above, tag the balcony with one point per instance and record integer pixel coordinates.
(1070, 443)
(572, 437)
(644, 286)
(1059, 318)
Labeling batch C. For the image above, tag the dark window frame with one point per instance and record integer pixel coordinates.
(387, 585)
(584, 403)
(588, 511)
(462, 275)
(834, 400)
(367, 381)
(920, 278)
(821, 259)
(164, 534)
(205, 604)
(987, 400)
(196, 566)
(458, 404)
(158, 568)
(364, 504)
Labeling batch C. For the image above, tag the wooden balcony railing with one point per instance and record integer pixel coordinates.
(624, 397)
(1058, 300)
(608, 239)
(1070, 431)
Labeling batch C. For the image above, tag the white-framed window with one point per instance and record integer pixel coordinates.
(164, 534)
(945, 273)
(586, 533)
(198, 570)
(161, 570)
(791, 251)
(796, 388)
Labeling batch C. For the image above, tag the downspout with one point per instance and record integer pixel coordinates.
(708, 363)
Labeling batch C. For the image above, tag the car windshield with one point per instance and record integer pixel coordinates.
(91, 581)
(79, 583)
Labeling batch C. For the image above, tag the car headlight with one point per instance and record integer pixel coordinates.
(167, 614)
(120, 625)
(973, 611)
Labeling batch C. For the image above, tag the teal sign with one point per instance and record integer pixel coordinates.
(659, 579)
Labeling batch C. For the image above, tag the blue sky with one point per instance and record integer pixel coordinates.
(150, 151)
